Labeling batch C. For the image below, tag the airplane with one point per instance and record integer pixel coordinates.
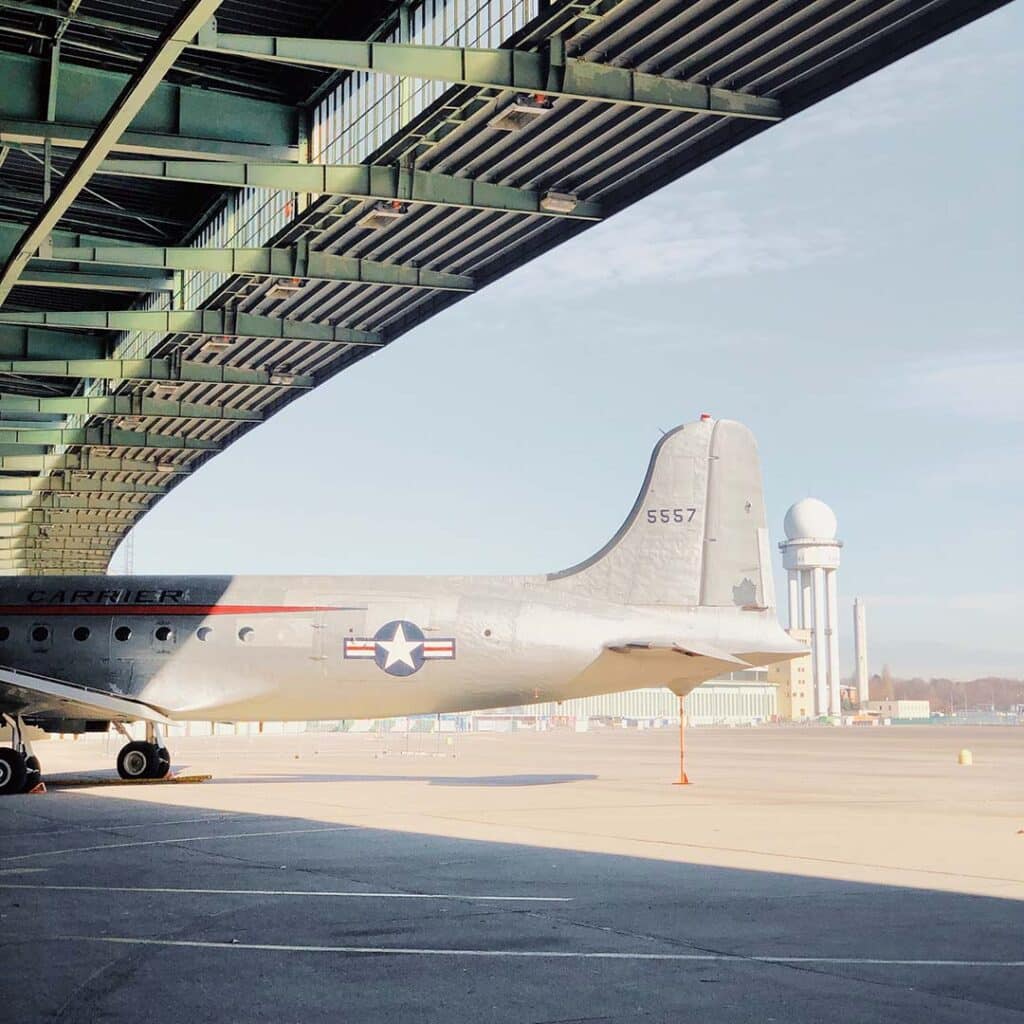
(681, 593)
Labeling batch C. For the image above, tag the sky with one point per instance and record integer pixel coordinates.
(848, 284)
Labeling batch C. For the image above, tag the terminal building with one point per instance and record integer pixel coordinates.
(739, 698)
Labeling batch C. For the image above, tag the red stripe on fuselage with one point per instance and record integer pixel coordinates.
(165, 609)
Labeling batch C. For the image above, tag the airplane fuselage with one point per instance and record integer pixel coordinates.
(306, 647)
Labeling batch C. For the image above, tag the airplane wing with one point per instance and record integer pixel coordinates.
(33, 696)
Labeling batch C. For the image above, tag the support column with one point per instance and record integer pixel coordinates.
(794, 599)
(835, 702)
(860, 639)
(806, 600)
(820, 646)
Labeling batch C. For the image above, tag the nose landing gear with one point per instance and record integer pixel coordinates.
(148, 759)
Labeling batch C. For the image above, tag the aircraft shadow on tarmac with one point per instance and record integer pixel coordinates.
(55, 781)
(431, 780)
(201, 915)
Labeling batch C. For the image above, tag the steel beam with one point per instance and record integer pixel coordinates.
(10, 233)
(20, 502)
(200, 323)
(354, 181)
(550, 74)
(139, 88)
(105, 436)
(195, 147)
(47, 546)
(177, 121)
(74, 484)
(296, 262)
(83, 531)
(87, 462)
(166, 370)
(127, 406)
(53, 520)
(34, 343)
(54, 565)
(96, 282)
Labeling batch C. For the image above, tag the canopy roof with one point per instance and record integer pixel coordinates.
(202, 217)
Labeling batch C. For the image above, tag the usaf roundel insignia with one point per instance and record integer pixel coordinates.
(400, 648)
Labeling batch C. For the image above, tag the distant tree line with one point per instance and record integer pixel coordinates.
(948, 695)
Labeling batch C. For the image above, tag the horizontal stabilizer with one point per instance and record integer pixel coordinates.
(34, 696)
(687, 647)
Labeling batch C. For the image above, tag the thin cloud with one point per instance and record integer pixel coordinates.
(697, 237)
(907, 93)
(984, 386)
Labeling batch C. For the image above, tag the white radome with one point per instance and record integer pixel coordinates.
(810, 519)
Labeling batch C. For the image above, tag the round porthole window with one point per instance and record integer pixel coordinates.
(204, 633)
(40, 634)
(81, 633)
(163, 634)
(246, 633)
(4, 633)
(122, 633)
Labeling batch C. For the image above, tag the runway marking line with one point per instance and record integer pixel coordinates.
(292, 892)
(183, 839)
(539, 954)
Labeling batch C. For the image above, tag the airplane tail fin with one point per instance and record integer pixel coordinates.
(696, 536)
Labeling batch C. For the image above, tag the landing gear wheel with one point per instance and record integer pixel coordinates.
(12, 771)
(33, 773)
(137, 760)
(163, 763)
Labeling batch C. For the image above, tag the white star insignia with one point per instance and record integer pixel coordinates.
(399, 650)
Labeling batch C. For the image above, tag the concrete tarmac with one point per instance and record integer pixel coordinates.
(808, 875)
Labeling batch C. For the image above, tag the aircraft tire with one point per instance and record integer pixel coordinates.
(12, 771)
(33, 773)
(162, 763)
(137, 760)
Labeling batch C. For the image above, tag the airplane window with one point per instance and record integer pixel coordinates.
(40, 633)
(4, 633)
(246, 633)
(164, 633)
(81, 633)
(204, 632)
(122, 633)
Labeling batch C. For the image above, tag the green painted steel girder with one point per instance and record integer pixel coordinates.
(126, 405)
(73, 136)
(34, 343)
(115, 122)
(87, 461)
(56, 519)
(153, 370)
(354, 181)
(67, 564)
(10, 233)
(176, 121)
(96, 282)
(548, 74)
(19, 502)
(294, 262)
(58, 544)
(74, 484)
(202, 323)
(85, 531)
(105, 436)
(54, 565)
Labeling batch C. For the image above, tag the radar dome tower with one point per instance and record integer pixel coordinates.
(810, 555)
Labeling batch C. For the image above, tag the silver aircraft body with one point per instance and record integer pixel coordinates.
(681, 593)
